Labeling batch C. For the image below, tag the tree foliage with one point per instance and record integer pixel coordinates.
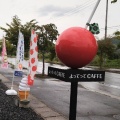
(13, 30)
(116, 35)
(105, 49)
(113, 1)
(47, 35)
(48, 32)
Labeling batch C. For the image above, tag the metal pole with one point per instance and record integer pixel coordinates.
(12, 79)
(43, 56)
(43, 64)
(106, 19)
(92, 13)
(73, 101)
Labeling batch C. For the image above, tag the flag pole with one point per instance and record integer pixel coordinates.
(13, 73)
(12, 80)
(14, 66)
(11, 91)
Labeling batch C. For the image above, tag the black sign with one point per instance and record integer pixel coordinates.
(76, 75)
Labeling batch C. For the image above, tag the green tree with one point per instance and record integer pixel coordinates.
(0, 45)
(47, 32)
(116, 35)
(26, 30)
(113, 1)
(105, 49)
(10, 49)
(47, 35)
(13, 30)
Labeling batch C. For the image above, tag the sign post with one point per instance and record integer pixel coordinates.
(76, 47)
(74, 76)
(73, 101)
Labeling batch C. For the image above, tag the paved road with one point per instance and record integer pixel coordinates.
(56, 94)
(111, 84)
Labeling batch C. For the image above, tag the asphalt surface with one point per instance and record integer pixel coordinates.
(9, 111)
(91, 105)
(44, 111)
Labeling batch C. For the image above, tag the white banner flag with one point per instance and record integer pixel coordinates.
(20, 52)
(33, 61)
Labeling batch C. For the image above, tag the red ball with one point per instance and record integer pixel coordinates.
(76, 47)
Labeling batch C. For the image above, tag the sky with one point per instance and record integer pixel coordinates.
(64, 13)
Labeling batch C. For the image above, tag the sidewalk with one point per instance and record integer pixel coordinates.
(39, 107)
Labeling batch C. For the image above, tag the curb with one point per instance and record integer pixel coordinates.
(39, 107)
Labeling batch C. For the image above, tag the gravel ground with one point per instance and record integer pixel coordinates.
(9, 111)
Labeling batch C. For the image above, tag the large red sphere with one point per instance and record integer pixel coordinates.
(76, 47)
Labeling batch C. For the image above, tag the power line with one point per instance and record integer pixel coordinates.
(111, 27)
(81, 8)
(76, 10)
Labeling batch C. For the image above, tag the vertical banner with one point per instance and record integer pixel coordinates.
(20, 52)
(33, 60)
(4, 59)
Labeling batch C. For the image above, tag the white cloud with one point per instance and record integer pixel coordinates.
(53, 10)
(64, 13)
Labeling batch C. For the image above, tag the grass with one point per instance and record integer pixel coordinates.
(108, 64)
(113, 63)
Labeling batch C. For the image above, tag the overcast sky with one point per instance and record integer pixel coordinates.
(63, 13)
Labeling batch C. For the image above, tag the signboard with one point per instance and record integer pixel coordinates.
(76, 75)
(18, 73)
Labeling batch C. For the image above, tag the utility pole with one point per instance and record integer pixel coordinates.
(106, 19)
(92, 14)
